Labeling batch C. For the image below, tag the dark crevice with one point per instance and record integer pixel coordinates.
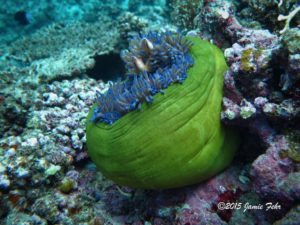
(107, 67)
(250, 147)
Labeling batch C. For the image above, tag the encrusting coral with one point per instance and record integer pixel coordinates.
(175, 140)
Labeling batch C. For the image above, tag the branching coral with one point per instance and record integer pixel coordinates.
(176, 140)
(288, 19)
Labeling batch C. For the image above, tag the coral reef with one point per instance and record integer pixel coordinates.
(285, 188)
(129, 25)
(44, 13)
(46, 176)
(253, 14)
(184, 13)
(39, 153)
(261, 96)
(262, 80)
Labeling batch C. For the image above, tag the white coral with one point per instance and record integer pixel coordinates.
(288, 19)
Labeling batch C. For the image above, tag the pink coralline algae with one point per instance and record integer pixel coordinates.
(202, 203)
(261, 98)
(46, 176)
(276, 178)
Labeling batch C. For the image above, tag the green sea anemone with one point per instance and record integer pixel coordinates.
(175, 140)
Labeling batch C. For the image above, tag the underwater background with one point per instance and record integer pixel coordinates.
(58, 57)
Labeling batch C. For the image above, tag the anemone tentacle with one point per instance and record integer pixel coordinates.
(154, 62)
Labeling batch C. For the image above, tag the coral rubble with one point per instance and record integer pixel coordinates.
(46, 176)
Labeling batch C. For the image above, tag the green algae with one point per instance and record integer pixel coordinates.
(249, 56)
(66, 185)
(293, 151)
(175, 141)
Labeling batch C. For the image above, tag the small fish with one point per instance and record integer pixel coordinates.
(2, 98)
(140, 65)
(24, 18)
